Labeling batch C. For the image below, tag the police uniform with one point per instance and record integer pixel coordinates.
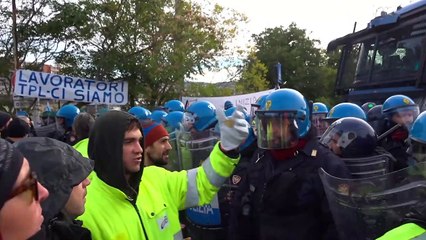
(284, 199)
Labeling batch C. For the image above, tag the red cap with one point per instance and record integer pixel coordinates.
(152, 133)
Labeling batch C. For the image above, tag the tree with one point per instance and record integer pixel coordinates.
(253, 76)
(194, 89)
(37, 39)
(304, 66)
(154, 45)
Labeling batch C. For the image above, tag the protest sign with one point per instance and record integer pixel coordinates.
(245, 100)
(53, 86)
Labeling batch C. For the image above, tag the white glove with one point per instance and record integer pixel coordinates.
(233, 130)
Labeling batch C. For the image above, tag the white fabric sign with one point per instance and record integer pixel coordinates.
(52, 86)
(245, 100)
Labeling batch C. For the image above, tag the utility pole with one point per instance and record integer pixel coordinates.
(279, 78)
(15, 36)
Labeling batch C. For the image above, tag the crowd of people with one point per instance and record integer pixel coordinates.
(289, 169)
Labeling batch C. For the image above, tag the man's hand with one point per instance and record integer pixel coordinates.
(233, 130)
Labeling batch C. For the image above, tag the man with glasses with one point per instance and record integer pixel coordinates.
(20, 195)
(63, 171)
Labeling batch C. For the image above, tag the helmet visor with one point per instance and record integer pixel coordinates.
(276, 129)
(405, 116)
(188, 121)
(337, 140)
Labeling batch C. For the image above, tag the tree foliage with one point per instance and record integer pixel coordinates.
(304, 66)
(37, 39)
(193, 89)
(153, 45)
(253, 76)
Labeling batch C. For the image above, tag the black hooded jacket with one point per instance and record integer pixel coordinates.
(59, 168)
(106, 148)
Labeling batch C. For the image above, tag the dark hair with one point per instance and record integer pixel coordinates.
(82, 125)
(134, 124)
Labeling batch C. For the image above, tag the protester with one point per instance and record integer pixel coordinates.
(63, 171)
(16, 130)
(156, 145)
(122, 206)
(82, 125)
(5, 119)
(20, 195)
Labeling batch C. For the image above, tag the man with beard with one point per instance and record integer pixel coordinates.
(156, 145)
(123, 203)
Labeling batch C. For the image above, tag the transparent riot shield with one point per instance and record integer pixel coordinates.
(194, 147)
(174, 163)
(367, 208)
(376, 165)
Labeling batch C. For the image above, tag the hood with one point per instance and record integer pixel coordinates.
(59, 167)
(106, 149)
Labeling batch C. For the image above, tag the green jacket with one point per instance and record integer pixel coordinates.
(161, 195)
(405, 232)
(82, 147)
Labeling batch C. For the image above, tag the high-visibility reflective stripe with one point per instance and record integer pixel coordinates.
(213, 177)
(405, 231)
(178, 236)
(192, 197)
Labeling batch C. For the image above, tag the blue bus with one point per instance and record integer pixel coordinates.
(386, 58)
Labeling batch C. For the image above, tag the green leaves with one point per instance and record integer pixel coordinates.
(305, 67)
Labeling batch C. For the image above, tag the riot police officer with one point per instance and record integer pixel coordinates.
(355, 142)
(195, 142)
(281, 197)
(319, 113)
(402, 111)
(64, 120)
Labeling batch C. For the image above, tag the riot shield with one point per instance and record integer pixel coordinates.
(376, 165)
(367, 208)
(194, 147)
(174, 163)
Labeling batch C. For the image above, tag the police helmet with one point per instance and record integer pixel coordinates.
(350, 137)
(367, 106)
(173, 120)
(283, 119)
(174, 105)
(68, 112)
(140, 113)
(418, 138)
(346, 109)
(200, 115)
(400, 109)
(319, 113)
(158, 115)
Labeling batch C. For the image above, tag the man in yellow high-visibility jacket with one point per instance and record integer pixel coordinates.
(124, 204)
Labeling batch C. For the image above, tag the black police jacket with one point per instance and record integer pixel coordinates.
(285, 199)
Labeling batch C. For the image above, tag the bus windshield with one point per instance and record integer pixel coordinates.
(387, 57)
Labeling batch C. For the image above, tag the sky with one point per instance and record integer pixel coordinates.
(324, 20)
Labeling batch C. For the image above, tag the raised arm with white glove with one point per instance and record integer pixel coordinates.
(233, 130)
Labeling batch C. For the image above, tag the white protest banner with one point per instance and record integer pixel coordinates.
(52, 86)
(245, 100)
